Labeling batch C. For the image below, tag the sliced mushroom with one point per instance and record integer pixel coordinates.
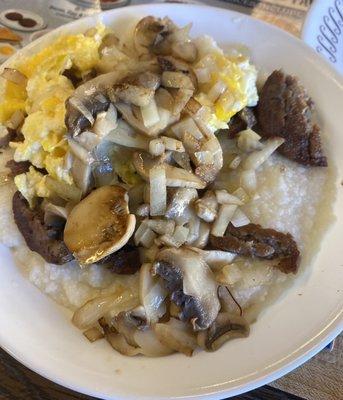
(87, 101)
(191, 284)
(133, 94)
(226, 327)
(150, 34)
(99, 225)
(179, 206)
(176, 177)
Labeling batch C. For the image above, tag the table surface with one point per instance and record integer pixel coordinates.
(319, 379)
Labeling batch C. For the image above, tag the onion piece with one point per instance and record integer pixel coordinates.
(93, 334)
(206, 207)
(150, 114)
(225, 214)
(125, 135)
(119, 343)
(178, 238)
(172, 144)
(80, 152)
(216, 90)
(216, 259)
(143, 210)
(63, 190)
(147, 240)
(87, 315)
(186, 125)
(235, 162)
(239, 219)
(248, 180)
(150, 345)
(158, 190)
(229, 274)
(248, 140)
(203, 157)
(257, 158)
(181, 98)
(176, 335)
(185, 50)
(203, 74)
(223, 197)
(204, 233)
(241, 194)
(151, 294)
(140, 232)
(176, 79)
(156, 147)
(164, 99)
(14, 76)
(105, 122)
(161, 226)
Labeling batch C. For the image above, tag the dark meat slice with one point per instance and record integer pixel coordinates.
(17, 168)
(254, 241)
(45, 240)
(125, 261)
(285, 110)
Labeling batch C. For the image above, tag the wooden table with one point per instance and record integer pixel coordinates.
(321, 378)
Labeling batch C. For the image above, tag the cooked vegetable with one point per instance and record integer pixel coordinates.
(225, 214)
(158, 190)
(191, 285)
(121, 300)
(176, 335)
(224, 328)
(93, 334)
(99, 225)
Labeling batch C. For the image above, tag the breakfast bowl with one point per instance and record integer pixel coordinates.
(300, 319)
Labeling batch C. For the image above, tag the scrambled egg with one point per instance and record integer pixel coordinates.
(43, 100)
(228, 82)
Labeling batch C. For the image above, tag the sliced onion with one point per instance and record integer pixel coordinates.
(176, 335)
(150, 345)
(248, 180)
(216, 90)
(156, 147)
(239, 219)
(223, 197)
(257, 158)
(125, 135)
(150, 114)
(175, 79)
(94, 309)
(203, 74)
(225, 214)
(151, 294)
(158, 190)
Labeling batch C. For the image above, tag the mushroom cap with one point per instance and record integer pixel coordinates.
(99, 225)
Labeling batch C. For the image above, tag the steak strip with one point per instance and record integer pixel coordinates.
(45, 240)
(286, 110)
(254, 241)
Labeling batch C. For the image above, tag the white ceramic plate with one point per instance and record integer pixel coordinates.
(323, 30)
(38, 333)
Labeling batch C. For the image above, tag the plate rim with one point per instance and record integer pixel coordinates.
(284, 366)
